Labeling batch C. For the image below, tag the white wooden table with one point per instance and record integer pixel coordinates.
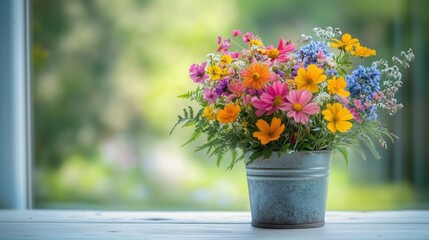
(49, 224)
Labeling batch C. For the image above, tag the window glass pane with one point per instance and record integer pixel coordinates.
(105, 79)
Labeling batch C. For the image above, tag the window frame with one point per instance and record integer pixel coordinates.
(15, 119)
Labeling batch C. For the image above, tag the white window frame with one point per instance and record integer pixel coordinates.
(15, 106)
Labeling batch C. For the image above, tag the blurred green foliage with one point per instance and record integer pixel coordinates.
(106, 74)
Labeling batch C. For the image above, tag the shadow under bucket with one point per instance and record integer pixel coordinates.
(289, 191)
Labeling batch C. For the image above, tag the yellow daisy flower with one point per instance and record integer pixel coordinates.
(209, 113)
(214, 72)
(337, 85)
(361, 51)
(347, 42)
(310, 78)
(337, 117)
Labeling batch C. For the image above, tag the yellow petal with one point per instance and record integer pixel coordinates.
(344, 114)
(337, 107)
(344, 126)
(327, 115)
(331, 127)
(343, 93)
(320, 79)
(346, 37)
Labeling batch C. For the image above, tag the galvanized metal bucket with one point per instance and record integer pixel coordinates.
(289, 191)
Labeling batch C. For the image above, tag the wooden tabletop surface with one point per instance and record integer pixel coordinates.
(55, 224)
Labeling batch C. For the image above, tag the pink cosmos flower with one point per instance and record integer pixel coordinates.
(247, 37)
(284, 50)
(236, 32)
(197, 72)
(237, 89)
(210, 95)
(299, 106)
(273, 99)
(224, 45)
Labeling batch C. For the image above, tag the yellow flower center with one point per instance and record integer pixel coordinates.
(308, 80)
(273, 53)
(255, 76)
(277, 101)
(297, 107)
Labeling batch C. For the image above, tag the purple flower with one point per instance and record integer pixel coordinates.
(197, 72)
(210, 95)
(222, 86)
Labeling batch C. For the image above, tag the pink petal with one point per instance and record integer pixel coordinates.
(291, 97)
(271, 91)
(311, 108)
(291, 114)
(305, 97)
(259, 112)
(282, 44)
(288, 107)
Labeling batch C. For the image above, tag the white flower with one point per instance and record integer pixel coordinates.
(322, 98)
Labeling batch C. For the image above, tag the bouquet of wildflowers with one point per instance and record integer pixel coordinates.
(303, 96)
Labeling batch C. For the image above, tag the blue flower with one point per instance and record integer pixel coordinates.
(364, 82)
(308, 53)
(330, 72)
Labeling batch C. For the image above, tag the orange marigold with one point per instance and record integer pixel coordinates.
(256, 76)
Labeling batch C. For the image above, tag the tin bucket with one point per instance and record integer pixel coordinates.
(289, 191)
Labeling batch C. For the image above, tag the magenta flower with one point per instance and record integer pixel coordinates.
(299, 105)
(284, 50)
(235, 55)
(355, 114)
(210, 95)
(273, 99)
(247, 37)
(236, 32)
(197, 72)
(224, 45)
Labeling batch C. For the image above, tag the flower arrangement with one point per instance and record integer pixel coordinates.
(302, 96)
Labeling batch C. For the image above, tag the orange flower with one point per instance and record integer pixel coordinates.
(228, 114)
(347, 42)
(309, 79)
(361, 51)
(256, 76)
(269, 133)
